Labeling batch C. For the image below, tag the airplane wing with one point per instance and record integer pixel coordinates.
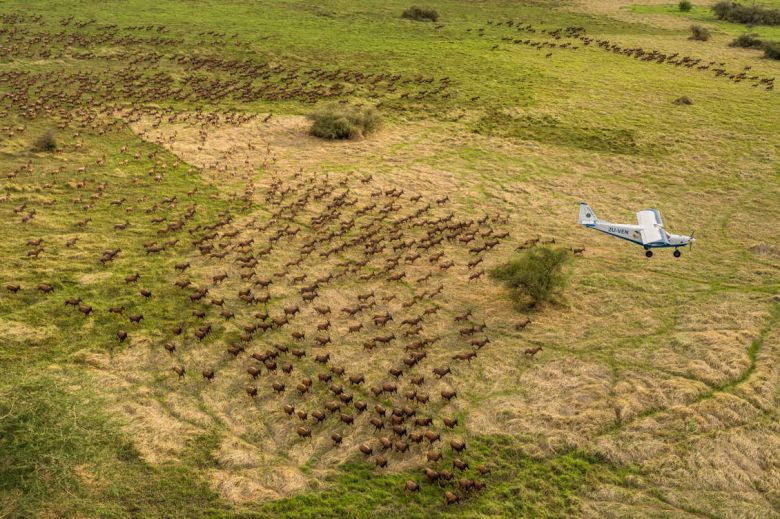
(652, 226)
(649, 217)
(651, 235)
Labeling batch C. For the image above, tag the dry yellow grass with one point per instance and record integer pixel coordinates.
(626, 396)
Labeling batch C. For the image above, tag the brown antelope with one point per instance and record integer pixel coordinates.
(533, 351)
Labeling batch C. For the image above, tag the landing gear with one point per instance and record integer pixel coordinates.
(649, 254)
(677, 253)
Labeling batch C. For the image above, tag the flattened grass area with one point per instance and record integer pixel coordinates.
(578, 123)
(551, 130)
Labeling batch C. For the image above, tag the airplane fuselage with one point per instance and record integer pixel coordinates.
(632, 232)
(649, 231)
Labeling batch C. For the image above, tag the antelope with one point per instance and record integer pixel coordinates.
(441, 371)
(448, 394)
(522, 324)
(533, 351)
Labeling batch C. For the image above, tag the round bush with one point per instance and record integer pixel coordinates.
(772, 50)
(699, 33)
(336, 122)
(747, 41)
(45, 142)
(421, 14)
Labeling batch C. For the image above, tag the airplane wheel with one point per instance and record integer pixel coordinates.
(677, 253)
(649, 254)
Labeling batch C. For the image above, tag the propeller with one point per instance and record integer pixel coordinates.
(690, 243)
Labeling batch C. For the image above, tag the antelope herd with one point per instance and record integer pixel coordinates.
(340, 275)
(359, 282)
(139, 73)
(575, 38)
(333, 298)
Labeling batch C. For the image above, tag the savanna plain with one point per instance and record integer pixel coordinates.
(209, 310)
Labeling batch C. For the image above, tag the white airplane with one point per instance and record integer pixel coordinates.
(649, 231)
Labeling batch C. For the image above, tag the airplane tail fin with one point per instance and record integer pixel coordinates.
(587, 215)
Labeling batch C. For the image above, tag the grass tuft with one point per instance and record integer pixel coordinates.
(685, 6)
(683, 100)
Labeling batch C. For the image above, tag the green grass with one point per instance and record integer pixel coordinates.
(62, 456)
(518, 486)
(552, 130)
(703, 13)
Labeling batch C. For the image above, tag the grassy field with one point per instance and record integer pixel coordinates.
(702, 13)
(183, 155)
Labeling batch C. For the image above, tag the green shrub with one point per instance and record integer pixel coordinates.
(536, 276)
(772, 50)
(685, 6)
(421, 14)
(747, 41)
(751, 15)
(750, 41)
(334, 121)
(45, 142)
(722, 9)
(699, 33)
